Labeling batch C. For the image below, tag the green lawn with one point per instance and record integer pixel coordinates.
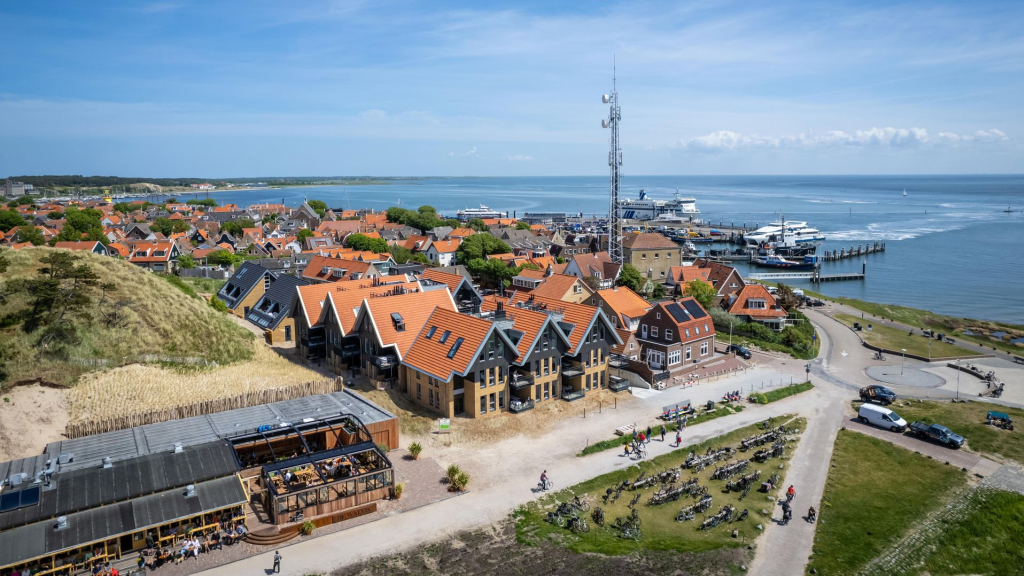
(985, 541)
(620, 441)
(954, 327)
(968, 419)
(875, 493)
(660, 530)
(779, 393)
(895, 339)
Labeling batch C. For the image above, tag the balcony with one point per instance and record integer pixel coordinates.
(617, 384)
(569, 396)
(385, 361)
(571, 370)
(618, 361)
(520, 380)
(517, 406)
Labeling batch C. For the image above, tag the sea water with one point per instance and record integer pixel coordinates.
(950, 247)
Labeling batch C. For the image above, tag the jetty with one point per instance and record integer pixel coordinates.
(843, 253)
(815, 275)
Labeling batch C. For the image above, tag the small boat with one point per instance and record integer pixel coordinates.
(716, 232)
(772, 260)
(904, 191)
(1008, 210)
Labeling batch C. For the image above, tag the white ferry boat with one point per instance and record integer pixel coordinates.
(481, 212)
(644, 208)
(798, 232)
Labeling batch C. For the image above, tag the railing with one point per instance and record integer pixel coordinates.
(517, 407)
(573, 396)
(617, 384)
(521, 380)
(385, 361)
(571, 371)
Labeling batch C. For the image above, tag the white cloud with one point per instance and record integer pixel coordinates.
(727, 140)
(471, 153)
(519, 158)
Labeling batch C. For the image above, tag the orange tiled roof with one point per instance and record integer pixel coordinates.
(739, 307)
(557, 286)
(624, 301)
(144, 252)
(447, 246)
(414, 308)
(461, 233)
(315, 269)
(684, 274)
(344, 298)
(625, 336)
(430, 355)
(453, 281)
(581, 316)
(122, 250)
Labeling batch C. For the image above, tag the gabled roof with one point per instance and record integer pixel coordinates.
(446, 246)
(684, 274)
(342, 298)
(461, 233)
(719, 273)
(328, 269)
(625, 303)
(557, 286)
(465, 336)
(413, 309)
(686, 313)
(149, 252)
(625, 336)
(529, 322)
(577, 318)
(756, 291)
(648, 241)
(246, 277)
(597, 264)
(276, 303)
(453, 281)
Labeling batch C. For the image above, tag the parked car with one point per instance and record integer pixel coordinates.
(879, 394)
(937, 432)
(816, 303)
(739, 350)
(882, 417)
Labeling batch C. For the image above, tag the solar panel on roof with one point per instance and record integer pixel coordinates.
(677, 312)
(695, 310)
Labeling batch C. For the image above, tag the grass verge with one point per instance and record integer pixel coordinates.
(952, 326)
(895, 340)
(779, 393)
(968, 419)
(620, 441)
(875, 493)
(203, 285)
(986, 540)
(660, 529)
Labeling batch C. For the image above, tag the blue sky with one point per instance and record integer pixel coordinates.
(206, 88)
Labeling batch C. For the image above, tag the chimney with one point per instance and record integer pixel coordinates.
(178, 448)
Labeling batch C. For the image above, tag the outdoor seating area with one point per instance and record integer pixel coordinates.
(201, 535)
(282, 442)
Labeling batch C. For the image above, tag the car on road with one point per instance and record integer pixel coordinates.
(938, 433)
(882, 417)
(878, 394)
(739, 350)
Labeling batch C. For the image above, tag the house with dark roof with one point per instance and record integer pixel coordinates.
(724, 278)
(273, 311)
(676, 337)
(245, 288)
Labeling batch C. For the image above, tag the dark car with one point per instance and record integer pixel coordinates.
(815, 303)
(739, 350)
(878, 394)
(938, 433)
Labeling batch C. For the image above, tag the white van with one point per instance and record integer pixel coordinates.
(881, 417)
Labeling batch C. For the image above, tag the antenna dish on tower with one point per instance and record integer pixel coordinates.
(604, 123)
(606, 99)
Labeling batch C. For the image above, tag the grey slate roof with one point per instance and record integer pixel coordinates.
(161, 437)
(41, 538)
(276, 303)
(247, 277)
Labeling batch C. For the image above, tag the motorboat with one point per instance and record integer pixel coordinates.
(785, 233)
(670, 218)
(773, 260)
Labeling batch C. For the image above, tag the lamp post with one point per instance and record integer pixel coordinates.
(902, 360)
(730, 334)
(807, 370)
(957, 378)
(929, 349)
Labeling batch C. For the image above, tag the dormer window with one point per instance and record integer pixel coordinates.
(397, 322)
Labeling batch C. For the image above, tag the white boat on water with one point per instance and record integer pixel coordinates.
(481, 212)
(644, 208)
(670, 218)
(797, 232)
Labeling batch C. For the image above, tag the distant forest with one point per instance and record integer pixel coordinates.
(78, 181)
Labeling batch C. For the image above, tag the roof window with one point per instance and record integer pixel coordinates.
(397, 321)
(455, 347)
(430, 333)
(444, 337)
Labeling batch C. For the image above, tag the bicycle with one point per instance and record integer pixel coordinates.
(582, 505)
(598, 516)
(545, 486)
(579, 525)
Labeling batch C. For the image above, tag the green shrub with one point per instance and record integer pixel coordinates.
(218, 305)
(460, 482)
(452, 472)
(414, 449)
(383, 448)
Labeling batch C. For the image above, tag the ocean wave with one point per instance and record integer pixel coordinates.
(886, 233)
(948, 205)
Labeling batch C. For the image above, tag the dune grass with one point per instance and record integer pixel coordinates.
(895, 339)
(161, 320)
(660, 529)
(875, 493)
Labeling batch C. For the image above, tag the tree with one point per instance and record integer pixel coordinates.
(702, 292)
(364, 242)
(186, 261)
(208, 202)
(657, 291)
(58, 298)
(592, 282)
(318, 206)
(4, 263)
(10, 219)
(25, 200)
(235, 227)
(522, 225)
(303, 234)
(477, 224)
(630, 278)
(479, 246)
(218, 304)
(31, 234)
(427, 209)
(223, 258)
(82, 224)
(166, 226)
(55, 215)
(269, 218)
(785, 297)
(452, 223)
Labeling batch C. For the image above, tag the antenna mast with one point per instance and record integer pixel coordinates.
(614, 161)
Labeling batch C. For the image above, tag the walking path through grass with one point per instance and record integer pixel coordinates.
(896, 339)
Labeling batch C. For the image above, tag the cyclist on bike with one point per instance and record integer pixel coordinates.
(790, 493)
(544, 480)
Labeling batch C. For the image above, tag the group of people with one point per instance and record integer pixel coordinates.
(787, 509)
(155, 555)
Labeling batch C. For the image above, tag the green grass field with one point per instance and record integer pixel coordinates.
(620, 441)
(894, 339)
(985, 541)
(660, 529)
(875, 493)
(779, 393)
(953, 327)
(968, 419)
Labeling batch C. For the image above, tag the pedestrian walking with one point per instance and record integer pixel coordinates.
(635, 431)
(277, 560)
(662, 432)
(679, 438)
(686, 420)
(649, 434)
